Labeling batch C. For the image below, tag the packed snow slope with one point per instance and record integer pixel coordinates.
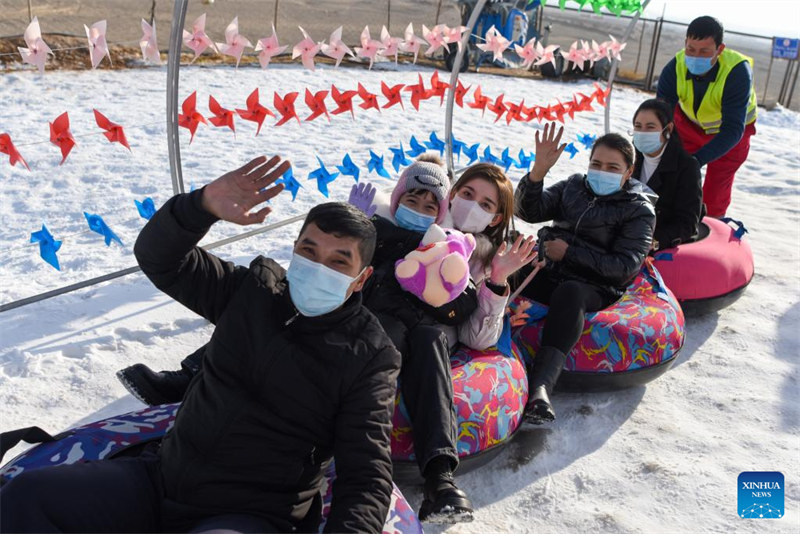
(664, 458)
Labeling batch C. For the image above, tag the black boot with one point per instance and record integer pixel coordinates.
(444, 502)
(547, 366)
(154, 388)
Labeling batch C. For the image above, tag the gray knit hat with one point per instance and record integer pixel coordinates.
(423, 175)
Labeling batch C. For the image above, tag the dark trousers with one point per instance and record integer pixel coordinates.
(120, 495)
(569, 302)
(427, 388)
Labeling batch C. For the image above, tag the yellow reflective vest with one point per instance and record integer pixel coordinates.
(709, 114)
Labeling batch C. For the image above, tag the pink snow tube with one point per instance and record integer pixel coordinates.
(710, 273)
(490, 389)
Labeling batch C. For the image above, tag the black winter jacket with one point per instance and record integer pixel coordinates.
(278, 393)
(383, 294)
(676, 180)
(608, 236)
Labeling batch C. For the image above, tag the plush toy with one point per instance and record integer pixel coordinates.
(438, 270)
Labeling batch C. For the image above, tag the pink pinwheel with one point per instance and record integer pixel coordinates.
(336, 49)
(197, 40)
(235, 42)
(575, 55)
(614, 48)
(390, 44)
(36, 53)
(98, 48)
(369, 47)
(495, 43)
(306, 48)
(148, 43)
(454, 34)
(411, 43)
(599, 51)
(268, 48)
(528, 53)
(546, 55)
(434, 37)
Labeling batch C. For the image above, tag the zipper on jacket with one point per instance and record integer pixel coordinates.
(291, 319)
(577, 224)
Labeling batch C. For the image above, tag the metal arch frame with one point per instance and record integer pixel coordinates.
(173, 79)
(476, 12)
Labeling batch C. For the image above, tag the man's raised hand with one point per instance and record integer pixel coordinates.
(232, 196)
(548, 150)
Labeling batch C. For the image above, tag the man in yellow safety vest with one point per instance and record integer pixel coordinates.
(713, 90)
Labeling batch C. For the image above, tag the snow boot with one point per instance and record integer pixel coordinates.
(547, 366)
(444, 503)
(154, 388)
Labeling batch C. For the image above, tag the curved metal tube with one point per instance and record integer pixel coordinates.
(615, 64)
(451, 94)
(173, 77)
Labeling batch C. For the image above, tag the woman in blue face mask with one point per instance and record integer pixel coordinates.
(600, 236)
(665, 167)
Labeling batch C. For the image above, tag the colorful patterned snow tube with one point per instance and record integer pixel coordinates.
(710, 273)
(120, 435)
(631, 342)
(489, 390)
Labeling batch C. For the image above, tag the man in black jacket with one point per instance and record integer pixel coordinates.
(297, 371)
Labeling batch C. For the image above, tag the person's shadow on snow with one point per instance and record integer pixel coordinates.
(786, 348)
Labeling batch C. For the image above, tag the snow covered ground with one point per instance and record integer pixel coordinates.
(658, 459)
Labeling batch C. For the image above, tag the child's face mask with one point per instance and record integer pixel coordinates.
(412, 220)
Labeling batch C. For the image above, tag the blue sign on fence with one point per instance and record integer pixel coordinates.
(784, 48)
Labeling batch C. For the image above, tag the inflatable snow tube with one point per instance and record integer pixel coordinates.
(710, 273)
(490, 389)
(631, 342)
(126, 435)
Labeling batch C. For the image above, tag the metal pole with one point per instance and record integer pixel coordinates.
(615, 64)
(438, 11)
(794, 82)
(30, 11)
(639, 52)
(173, 77)
(389, 16)
(651, 69)
(785, 83)
(275, 15)
(451, 94)
(766, 84)
(131, 270)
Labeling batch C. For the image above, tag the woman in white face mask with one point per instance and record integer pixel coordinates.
(665, 167)
(482, 203)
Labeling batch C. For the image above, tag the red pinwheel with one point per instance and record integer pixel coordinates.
(530, 113)
(600, 94)
(418, 92)
(255, 112)
(113, 132)
(560, 111)
(461, 91)
(61, 136)
(392, 95)
(514, 111)
(438, 88)
(222, 117)
(585, 103)
(190, 119)
(370, 100)
(546, 113)
(498, 107)
(7, 147)
(344, 101)
(479, 101)
(285, 106)
(316, 103)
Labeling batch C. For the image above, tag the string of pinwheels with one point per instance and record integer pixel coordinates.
(437, 39)
(49, 246)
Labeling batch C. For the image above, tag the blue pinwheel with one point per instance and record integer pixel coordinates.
(375, 164)
(399, 158)
(435, 143)
(98, 225)
(146, 208)
(416, 147)
(348, 168)
(289, 182)
(323, 177)
(48, 246)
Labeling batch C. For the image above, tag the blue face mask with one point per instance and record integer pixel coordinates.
(314, 288)
(647, 142)
(604, 183)
(698, 65)
(412, 220)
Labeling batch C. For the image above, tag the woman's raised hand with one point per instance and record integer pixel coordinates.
(232, 196)
(548, 150)
(510, 259)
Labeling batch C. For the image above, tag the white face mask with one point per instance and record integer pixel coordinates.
(468, 216)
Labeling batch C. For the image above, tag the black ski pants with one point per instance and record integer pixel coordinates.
(120, 495)
(569, 302)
